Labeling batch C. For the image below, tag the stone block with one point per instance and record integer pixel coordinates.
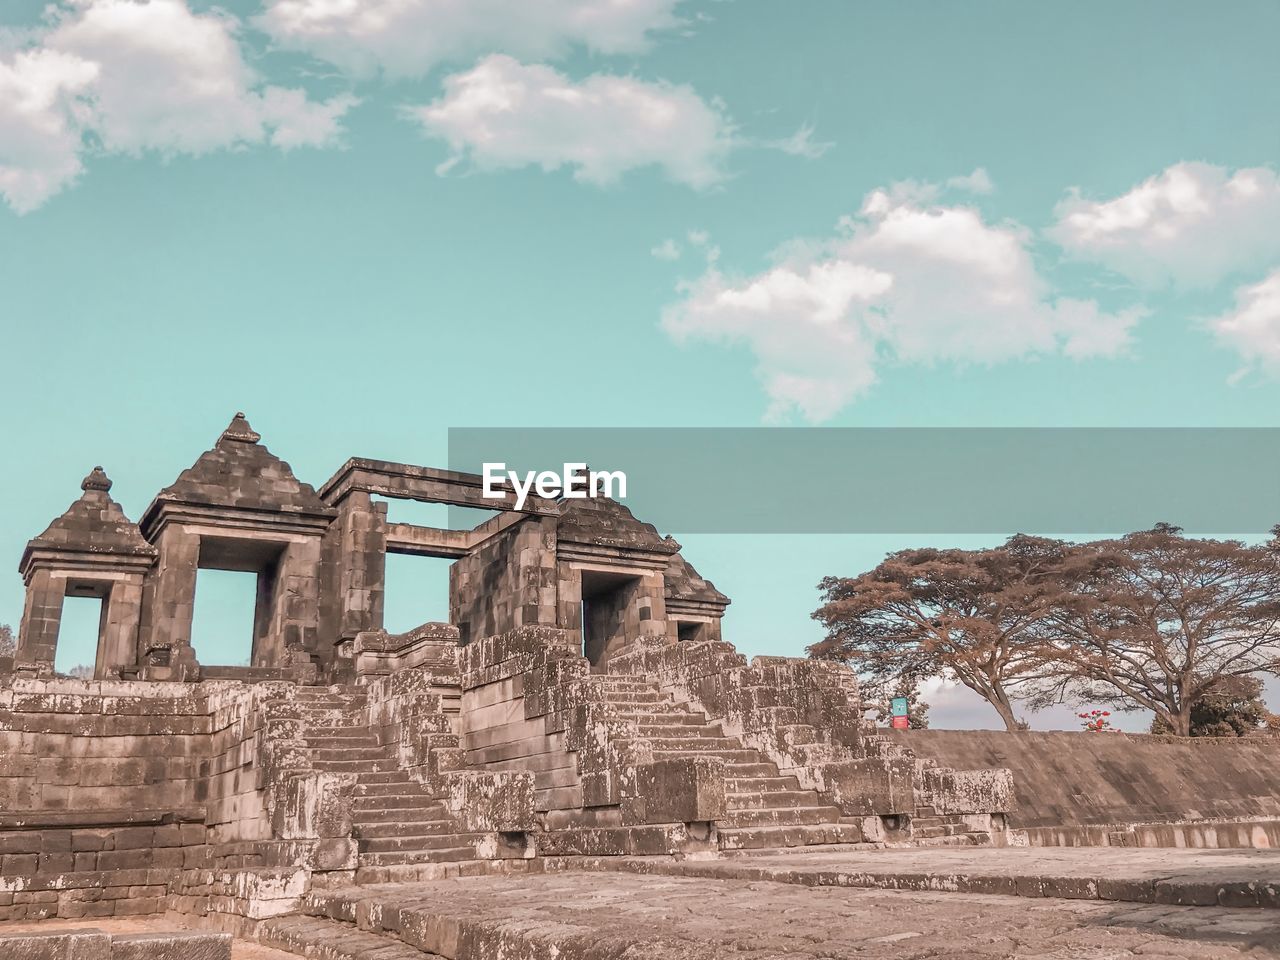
(678, 790)
(883, 786)
(56, 945)
(172, 946)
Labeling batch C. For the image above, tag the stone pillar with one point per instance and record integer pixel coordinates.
(118, 633)
(361, 564)
(169, 604)
(294, 597)
(41, 619)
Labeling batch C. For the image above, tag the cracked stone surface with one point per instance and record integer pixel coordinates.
(605, 914)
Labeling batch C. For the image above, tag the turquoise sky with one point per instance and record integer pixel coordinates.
(354, 301)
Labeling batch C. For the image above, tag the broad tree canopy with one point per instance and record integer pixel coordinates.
(972, 614)
(1155, 619)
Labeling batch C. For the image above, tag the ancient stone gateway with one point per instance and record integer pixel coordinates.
(580, 702)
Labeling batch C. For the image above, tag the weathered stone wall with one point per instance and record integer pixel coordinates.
(101, 799)
(68, 745)
(1064, 779)
(508, 581)
(500, 732)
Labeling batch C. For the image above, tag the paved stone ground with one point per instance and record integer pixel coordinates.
(1230, 878)
(658, 916)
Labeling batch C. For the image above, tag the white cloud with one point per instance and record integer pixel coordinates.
(39, 145)
(800, 144)
(977, 182)
(503, 114)
(1252, 328)
(130, 77)
(668, 249)
(903, 281)
(1192, 225)
(409, 37)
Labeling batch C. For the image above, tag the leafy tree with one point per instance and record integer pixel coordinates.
(971, 614)
(1155, 620)
(880, 697)
(8, 643)
(1229, 707)
(81, 671)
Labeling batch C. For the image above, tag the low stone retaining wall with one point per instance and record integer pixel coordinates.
(1124, 789)
(89, 944)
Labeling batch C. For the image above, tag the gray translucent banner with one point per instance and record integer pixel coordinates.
(913, 480)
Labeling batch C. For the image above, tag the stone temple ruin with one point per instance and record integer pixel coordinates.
(580, 703)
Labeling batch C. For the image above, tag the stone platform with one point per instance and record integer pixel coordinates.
(1228, 878)
(584, 915)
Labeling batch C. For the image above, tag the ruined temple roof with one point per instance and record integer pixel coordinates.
(95, 524)
(240, 472)
(606, 522)
(683, 582)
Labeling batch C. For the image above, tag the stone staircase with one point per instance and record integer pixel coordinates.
(396, 819)
(764, 807)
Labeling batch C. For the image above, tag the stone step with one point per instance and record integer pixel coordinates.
(384, 776)
(326, 704)
(382, 765)
(425, 812)
(680, 730)
(729, 756)
(398, 801)
(773, 838)
(419, 843)
(350, 737)
(400, 828)
(759, 784)
(754, 767)
(668, 717)
(785, 816)
(443, 855)
(329, 721)
(350, 753)
(322, 939)
(638, 699)
(707, 744)
(402, 788)
(772, 799)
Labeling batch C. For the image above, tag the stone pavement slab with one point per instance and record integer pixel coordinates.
(607, 915)
(1229, 878)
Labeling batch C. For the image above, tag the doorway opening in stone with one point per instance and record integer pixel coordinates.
(223, 620)
(606, 598)
(78, 631)
(416, 591)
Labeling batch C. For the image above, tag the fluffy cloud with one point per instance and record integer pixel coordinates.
(1252, 328)
(503, 114)
(903, 281)
(133, 77)
(409, 37)
(39, 145)
(1191, 225)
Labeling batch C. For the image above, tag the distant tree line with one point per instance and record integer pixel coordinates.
(1154, 620)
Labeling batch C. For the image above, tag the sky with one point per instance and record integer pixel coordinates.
(365, 223)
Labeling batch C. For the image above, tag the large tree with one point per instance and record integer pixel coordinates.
(1231, 707)
(1156, 620)
(970, 614)
(7, 642)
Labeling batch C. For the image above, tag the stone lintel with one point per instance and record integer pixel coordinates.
(233, 522)
(403, 481)
(592, 556)
(85, 564)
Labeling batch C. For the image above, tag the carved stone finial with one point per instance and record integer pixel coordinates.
(96, 480)
(239, 431)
